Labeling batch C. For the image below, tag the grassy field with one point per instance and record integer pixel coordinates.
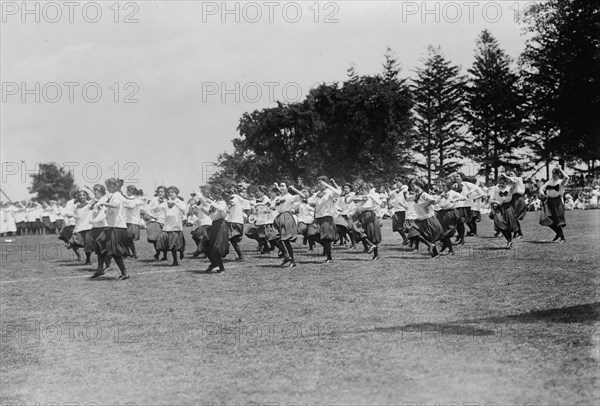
(484, 326)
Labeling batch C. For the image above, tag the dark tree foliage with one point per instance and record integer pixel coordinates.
(51, 183)
(495, 109)
(561, 72)
(360, 128)
(439, 106)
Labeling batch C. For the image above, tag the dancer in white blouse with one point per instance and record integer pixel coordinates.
(552, 195)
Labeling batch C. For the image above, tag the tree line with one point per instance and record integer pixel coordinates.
(503, 113)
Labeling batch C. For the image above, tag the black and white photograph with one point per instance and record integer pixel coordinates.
(300, 203)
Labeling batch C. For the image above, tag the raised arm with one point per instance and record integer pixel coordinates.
(566, 178)
(335, 189)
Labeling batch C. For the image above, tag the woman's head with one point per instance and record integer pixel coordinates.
(556, 174)
(113, 185)
(99, 191)
(133, 191)
(261, 191)
(283, 187)
(83, 196)
(502, 181)
(161, 192)
(173, 192)
(398, 182)
(217, 191)
(322, 182)
(416, 186)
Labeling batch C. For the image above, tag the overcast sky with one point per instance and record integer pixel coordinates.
(184, 61)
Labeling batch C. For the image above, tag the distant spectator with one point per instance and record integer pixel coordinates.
(569, 202)
(580, 202)
(594, 197)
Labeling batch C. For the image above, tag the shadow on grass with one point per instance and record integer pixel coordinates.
(587, 313)
(573, 314)
(104, 278)
(430, 327)
(205, 272)
(147, 261)
(499, 248)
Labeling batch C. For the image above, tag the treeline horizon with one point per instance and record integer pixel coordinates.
(515, 115)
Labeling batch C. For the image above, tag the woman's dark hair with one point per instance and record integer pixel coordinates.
(557, 172)
(117, 183)
(99, 188)
(419, 183)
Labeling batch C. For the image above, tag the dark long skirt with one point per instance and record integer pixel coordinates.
(464, 214)
(285, 226)
(153, 230)
(303, 228)
(504, 218)
(519, 206)
(411, 229)
(358, 227)
(236, 231)
(97, 235)
(323, 229)
(556, 207)
(340, 221)
(59, 223)
(372, 226)
(115, 242)
(133, 232)
(171, 240)
(268, 232)
(398, 221)
(251, 231)
(449, 220)
(430, 229)
(200, 236)
(349, 222)
(218, 239)
(66, 233)
(83, 239)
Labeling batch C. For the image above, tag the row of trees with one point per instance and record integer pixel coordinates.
(498, 115)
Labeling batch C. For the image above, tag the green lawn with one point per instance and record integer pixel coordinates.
(487, 325)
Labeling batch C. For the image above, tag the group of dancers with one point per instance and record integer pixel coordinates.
(107, 223)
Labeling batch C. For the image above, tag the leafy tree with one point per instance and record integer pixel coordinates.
(561, 70)
(439, 106)
(360, 128)
(51, 183)
(495, 109)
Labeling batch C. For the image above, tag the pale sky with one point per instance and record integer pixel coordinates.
(181, 59)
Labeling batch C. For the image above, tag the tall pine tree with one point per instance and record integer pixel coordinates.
(561, 68)
(439, 103)
(495, 109)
